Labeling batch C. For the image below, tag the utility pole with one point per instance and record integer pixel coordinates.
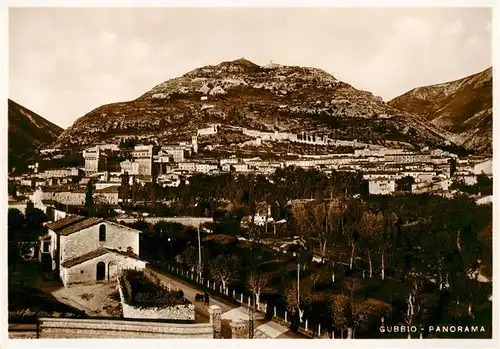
(298, 284)
(199, 252)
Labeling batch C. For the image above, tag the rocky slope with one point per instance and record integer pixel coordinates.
(241, 93)
(27, 132)
(462, 108)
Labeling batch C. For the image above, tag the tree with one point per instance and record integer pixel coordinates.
(353, 284)
(359, 312)
(12, 189)
(15, 226)
(89, 199)
(34, 219)
(254, 233)
(337, 307)
(405, 183)
(125, 187)
(225, 269)
(370, 225)
(190, 258)
(385, 239)
(295, 303)
(353, 215)
(163, 233)
(135, 188)
(257, 283)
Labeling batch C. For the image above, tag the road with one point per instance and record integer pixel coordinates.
(263, 327)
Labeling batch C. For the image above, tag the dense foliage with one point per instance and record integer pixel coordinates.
(23, 231)
(142, 292)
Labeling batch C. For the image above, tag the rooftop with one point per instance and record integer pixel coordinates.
(94, 254)
(65, 222)
(111, 189)
(80, 225)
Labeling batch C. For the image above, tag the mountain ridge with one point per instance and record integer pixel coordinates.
(27, 132)
(462, 108)
(242, 93)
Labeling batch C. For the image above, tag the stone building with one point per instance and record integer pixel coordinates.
(132, 168)
(88, 250)
(143, 155)
(107, 195)
(95, 160)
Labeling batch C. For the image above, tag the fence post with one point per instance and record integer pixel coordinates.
(234, 293)
(286, 315)
(319, 330)
(241, 298)
(306, 324)
(274, 311)
(249, 301)
(208, 283)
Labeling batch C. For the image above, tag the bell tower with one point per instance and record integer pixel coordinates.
(194, 142)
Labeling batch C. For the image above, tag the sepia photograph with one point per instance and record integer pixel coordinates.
(249, 172)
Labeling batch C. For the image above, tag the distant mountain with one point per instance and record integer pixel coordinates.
(28, 131)
(266, 98)
(462, 108)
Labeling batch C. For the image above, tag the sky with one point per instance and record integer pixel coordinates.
(65, 62)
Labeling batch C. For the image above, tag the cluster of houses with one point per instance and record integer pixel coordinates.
(173, 164)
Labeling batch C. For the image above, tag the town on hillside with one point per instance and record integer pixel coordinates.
(280, 241)
(167, 179)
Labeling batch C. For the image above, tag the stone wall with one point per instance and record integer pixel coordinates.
(87, 240)
(187, 221)
(178, 312)
(99, 328)
(86, 272)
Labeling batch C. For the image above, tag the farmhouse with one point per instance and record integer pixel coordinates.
(88, 250)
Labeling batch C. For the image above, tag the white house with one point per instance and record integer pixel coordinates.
(484, 200)
(88, 250)
(485, 167)
(381, 186)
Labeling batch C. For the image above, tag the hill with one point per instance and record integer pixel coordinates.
(462, 108)
(28, 131)
(266, 98)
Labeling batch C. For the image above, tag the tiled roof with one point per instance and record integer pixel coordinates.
(85, 257)
(124, 253)
(80, 225)
(110, 189)
(63, 223)
(94, 254)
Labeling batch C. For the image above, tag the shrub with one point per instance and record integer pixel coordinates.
(142, 292)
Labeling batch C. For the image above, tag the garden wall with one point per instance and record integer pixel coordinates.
(186, 221)
(99, 328)
(178, 312)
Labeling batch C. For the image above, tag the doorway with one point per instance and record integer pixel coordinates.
(101, 271)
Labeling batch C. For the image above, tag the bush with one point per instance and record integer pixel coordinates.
(140, 291)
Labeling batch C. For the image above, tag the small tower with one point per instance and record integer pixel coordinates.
(194, 142)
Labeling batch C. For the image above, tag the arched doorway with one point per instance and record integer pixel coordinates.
(112, 271)
(100, 271)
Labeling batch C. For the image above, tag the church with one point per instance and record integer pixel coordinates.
(89, 250)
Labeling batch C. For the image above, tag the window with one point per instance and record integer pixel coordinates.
(102, 232)
(46, 246)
